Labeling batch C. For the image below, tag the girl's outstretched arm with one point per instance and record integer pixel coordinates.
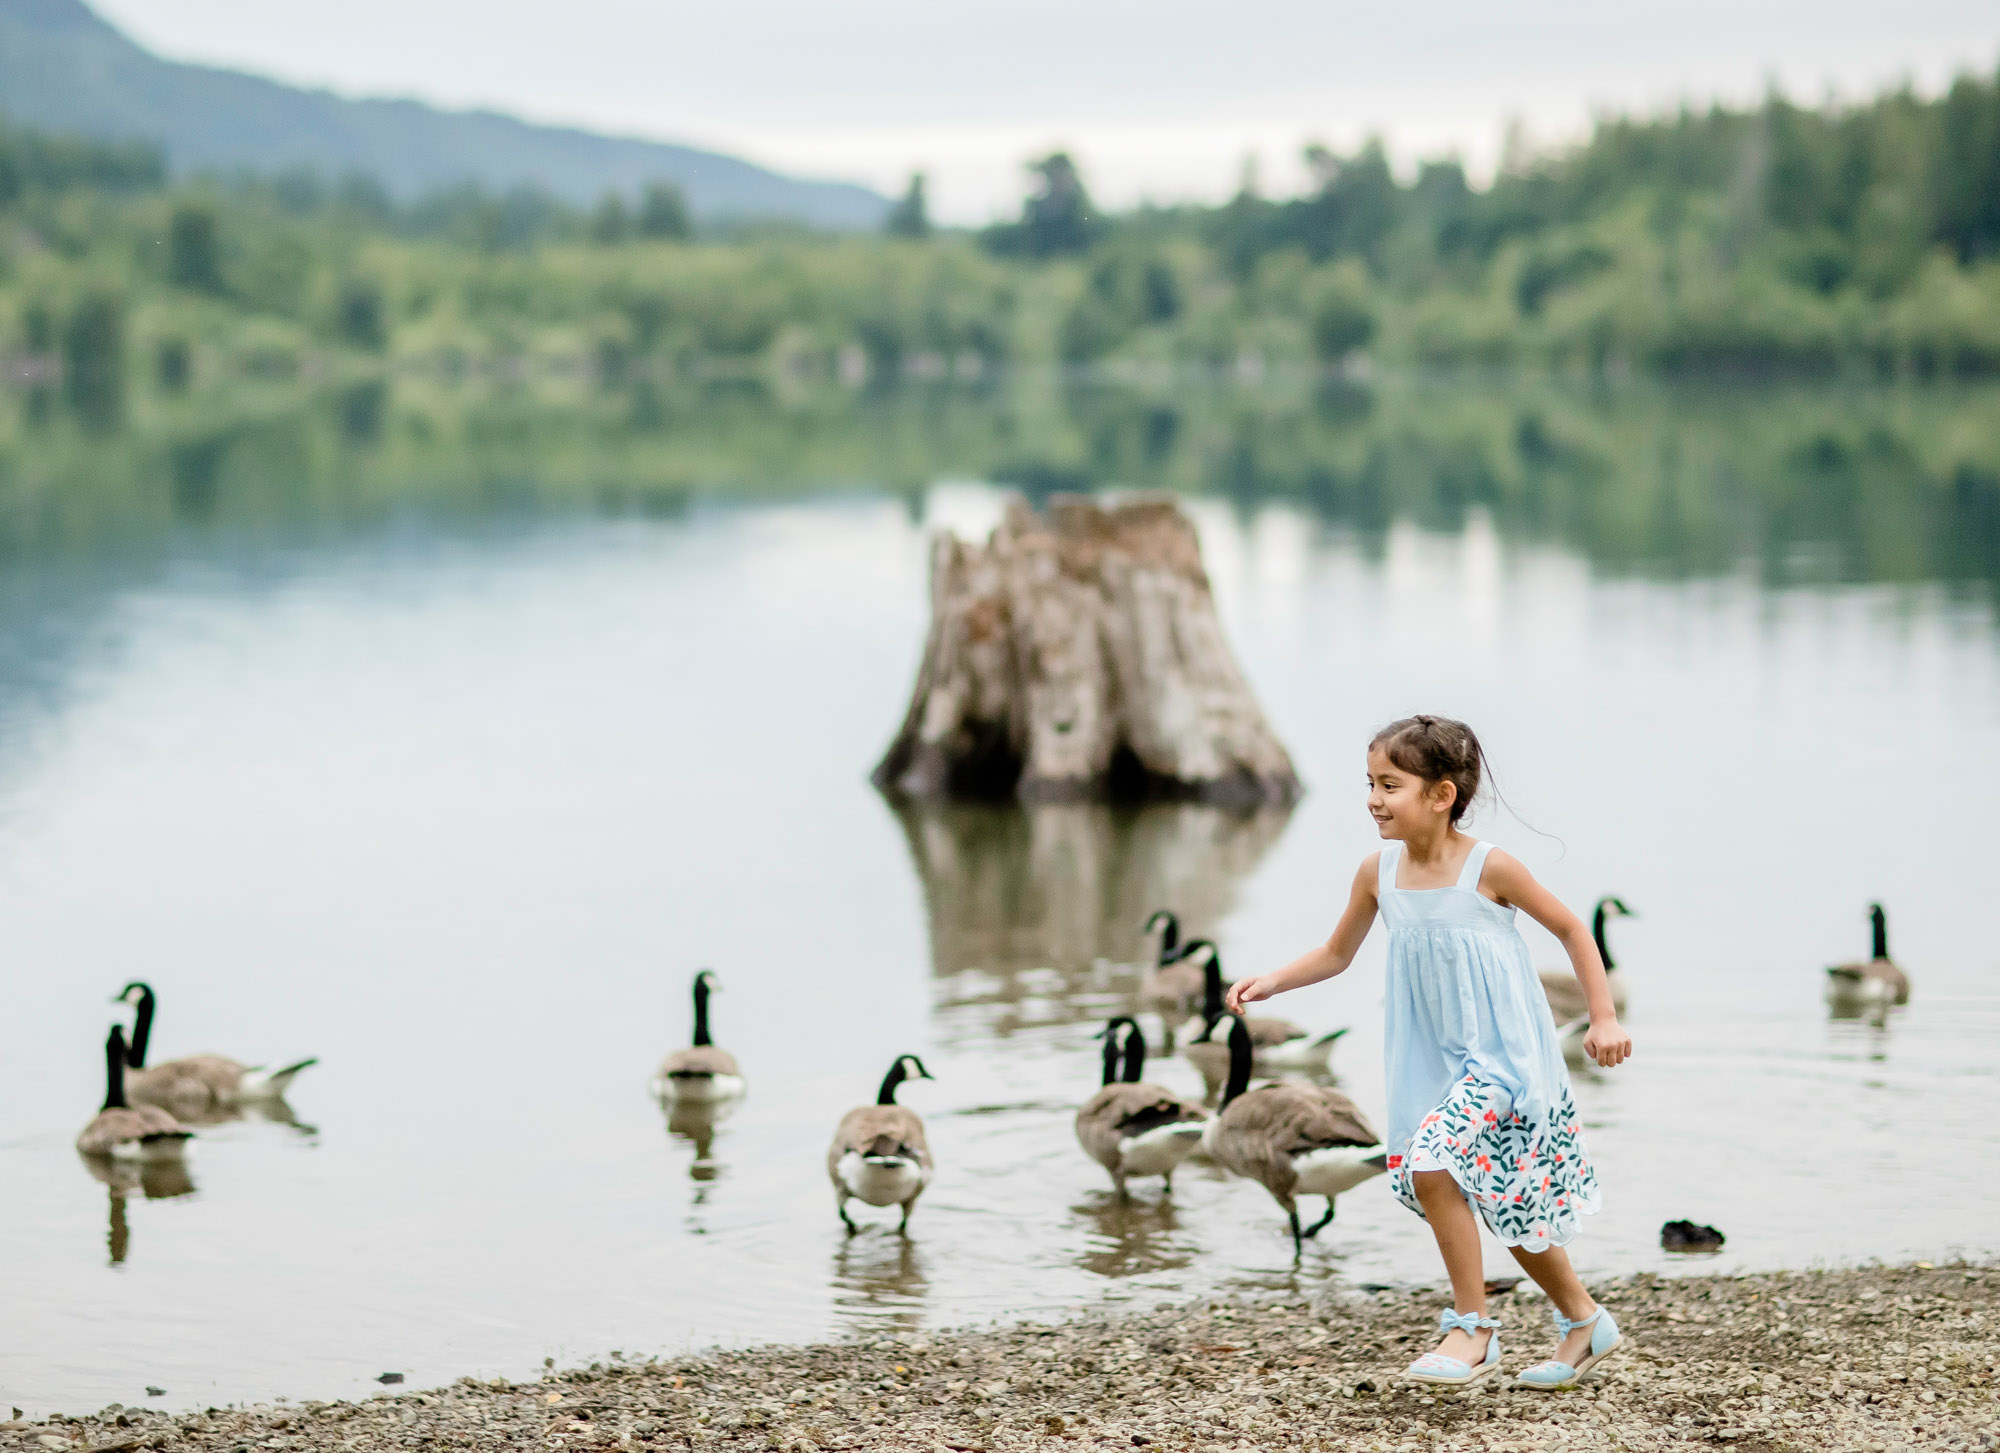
(1330, 958)
(1607, 1042)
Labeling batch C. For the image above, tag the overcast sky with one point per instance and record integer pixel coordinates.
(1158, 98)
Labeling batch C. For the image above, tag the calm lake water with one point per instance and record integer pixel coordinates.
(459, 803)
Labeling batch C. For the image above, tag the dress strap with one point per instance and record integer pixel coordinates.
(1385, 868)
(1475, 864)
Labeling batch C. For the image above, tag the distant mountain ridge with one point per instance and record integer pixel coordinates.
(65, 69)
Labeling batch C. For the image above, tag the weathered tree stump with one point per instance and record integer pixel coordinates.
(1080, 657)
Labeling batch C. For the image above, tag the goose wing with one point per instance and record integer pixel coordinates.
(125, 1124)
(1174, 986)
(1268, 1033)
(700, 1059)
(878, 1130)
(1117, 1112)
(1565, 995)
(190, 1085)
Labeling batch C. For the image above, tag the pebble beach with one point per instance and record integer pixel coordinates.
(1871, 1360)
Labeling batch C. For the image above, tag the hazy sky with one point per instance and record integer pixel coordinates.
(1159, 98)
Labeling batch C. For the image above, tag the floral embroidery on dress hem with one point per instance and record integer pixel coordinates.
(1533, 1205)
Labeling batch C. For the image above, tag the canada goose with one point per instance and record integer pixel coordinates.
(1566, 999)
(879, 1154)
(1294, 1140)
(1276, 1044)
(1171, 988)
(701, 1073)
(136, 1132)
(1130, 1128)
(197, 1086)
(1878, 981)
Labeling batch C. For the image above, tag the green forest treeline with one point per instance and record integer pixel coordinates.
(1853, 241)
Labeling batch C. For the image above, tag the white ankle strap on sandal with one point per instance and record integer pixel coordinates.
(1436, 1368)
(1552, 1376)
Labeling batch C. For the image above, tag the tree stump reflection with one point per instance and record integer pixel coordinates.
(1037, 911)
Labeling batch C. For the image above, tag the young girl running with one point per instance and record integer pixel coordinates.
(1480, 1112)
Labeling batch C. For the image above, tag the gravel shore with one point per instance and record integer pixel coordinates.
(1871, 1359)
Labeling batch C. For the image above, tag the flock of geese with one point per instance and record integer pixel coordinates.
(1294, 1137)
(148, 1109)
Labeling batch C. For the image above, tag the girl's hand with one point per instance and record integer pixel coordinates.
(1249, 991)
(1607, 1043)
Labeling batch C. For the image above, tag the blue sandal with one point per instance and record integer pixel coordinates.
(1445, 1371)
(1554, 1376)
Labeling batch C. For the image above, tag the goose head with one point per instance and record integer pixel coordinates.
(1166, 927)
(1116, 1050)
(897, 1074)
(138, 995)
(1607, 907)
(1878, 923)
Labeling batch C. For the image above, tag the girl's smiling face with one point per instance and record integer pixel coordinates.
(1403, 804)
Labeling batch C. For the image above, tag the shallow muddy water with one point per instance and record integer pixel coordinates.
(459, 808)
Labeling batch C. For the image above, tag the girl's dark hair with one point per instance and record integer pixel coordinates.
(1437, 749)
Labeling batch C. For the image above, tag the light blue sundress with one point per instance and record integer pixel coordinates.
(1477, 1085)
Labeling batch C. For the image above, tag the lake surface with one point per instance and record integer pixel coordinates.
(458, 801)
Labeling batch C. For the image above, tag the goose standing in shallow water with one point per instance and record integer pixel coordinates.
(1276, 1044)
(1131, 1128)
(1292, 1139)
(1878, 981)
(879, 1154)
(700, 1074)
(1566, 999)
(126, 1131)
(196, 1086)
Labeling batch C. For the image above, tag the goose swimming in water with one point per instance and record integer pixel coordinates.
(1171, 988)
(879, 1153)
(125, 1131)
(1292, 1139)
(1277, 1045)
(702, 1073)
(1132, 1128)
(196, 1086)
(1566, 998)
(1878, 981)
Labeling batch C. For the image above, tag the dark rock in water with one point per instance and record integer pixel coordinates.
(1495, 1285)
(389, 1377)
(1685, 1236)
(155, 1392)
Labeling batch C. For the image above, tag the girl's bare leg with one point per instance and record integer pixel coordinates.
(1554, 1275)
(1457, 1231)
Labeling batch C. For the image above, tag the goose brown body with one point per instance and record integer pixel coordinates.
(123, 1129)
(1125, 1110)
(196, 1087)
(1567, 1002)
(880, 1154)
(1877, 977)
(704, 1071)
(1292, 1139)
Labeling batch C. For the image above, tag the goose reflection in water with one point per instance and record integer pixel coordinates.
(1131, 1237)
(694, 1123)
(880, 1281)
(154, 1180)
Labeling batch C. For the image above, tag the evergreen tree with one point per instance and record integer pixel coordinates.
(663, 214)
(910, 217)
